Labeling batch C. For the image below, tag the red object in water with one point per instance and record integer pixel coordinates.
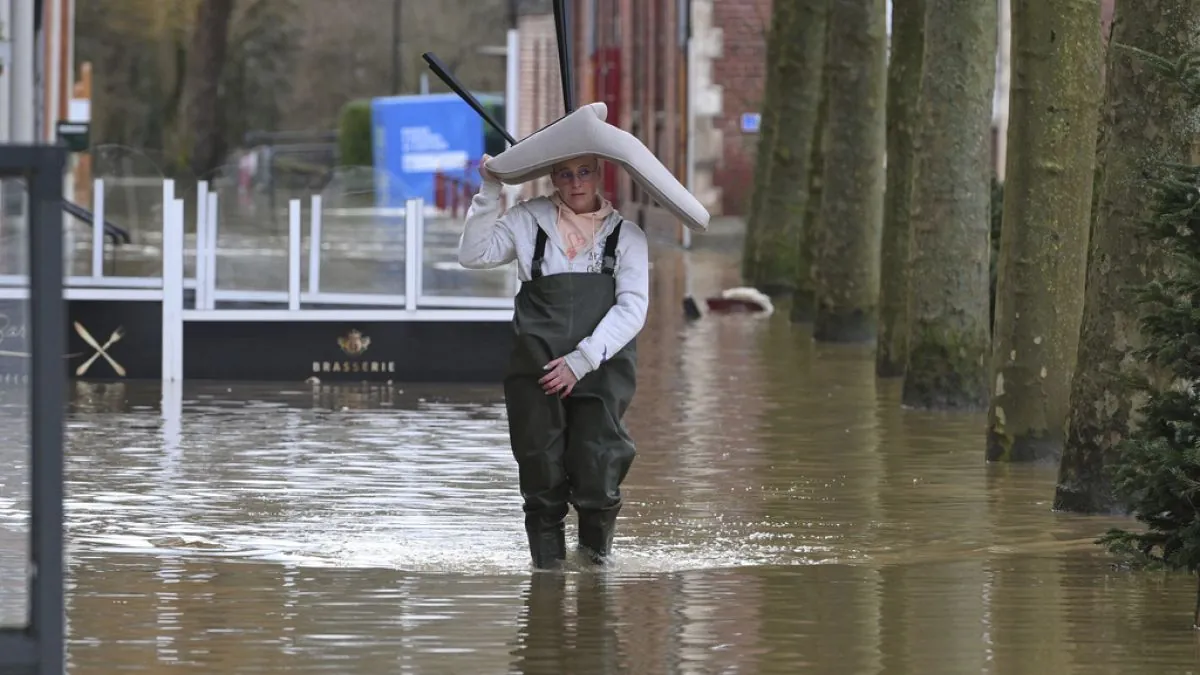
(439, 190)
(720, 305)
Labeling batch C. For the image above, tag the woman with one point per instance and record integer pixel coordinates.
(572, 371)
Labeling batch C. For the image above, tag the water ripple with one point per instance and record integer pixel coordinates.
(784, 514)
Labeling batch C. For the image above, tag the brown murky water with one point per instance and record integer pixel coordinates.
(785, 515)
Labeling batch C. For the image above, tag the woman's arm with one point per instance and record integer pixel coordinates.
(625, 319)
(487, 239)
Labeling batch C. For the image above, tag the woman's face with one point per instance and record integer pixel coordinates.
(577, 181)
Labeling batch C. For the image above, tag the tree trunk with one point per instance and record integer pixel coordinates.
(206, 60)
(947, 363)
(804, 308)
(846, 267)
(1043, 238)
(903, 91)
(774, 256)
(802, 61)
(768, 132)
(1146, 120)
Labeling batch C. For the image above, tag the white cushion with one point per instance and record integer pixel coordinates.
(586, 132)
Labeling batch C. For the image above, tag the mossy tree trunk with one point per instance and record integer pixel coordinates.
(1146, 120)
(804, 308)
(846, 264)
(773, 256)
(768, 131)
(205, 62)
(949, 343)
(903, 91)
(1043, 238)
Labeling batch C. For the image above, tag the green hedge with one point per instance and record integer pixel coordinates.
(493, 142)
(354, 134)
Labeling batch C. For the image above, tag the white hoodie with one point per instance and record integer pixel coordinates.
(491, 239)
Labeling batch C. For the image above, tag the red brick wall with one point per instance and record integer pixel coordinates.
(740, 72)
(642, 75)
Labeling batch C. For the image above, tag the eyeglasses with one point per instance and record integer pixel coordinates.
(585, 175)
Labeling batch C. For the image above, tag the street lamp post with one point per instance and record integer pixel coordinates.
(397, 6)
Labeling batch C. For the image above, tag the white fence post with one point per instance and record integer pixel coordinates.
(172, 424)
(98, 228)
(412, 215)
(314, 246)
(200, 300)
(172, 276)
(213, 212)
(420, 257)
(294, 255)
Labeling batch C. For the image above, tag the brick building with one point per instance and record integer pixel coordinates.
(739, 31)
(634, 56)
(648, 62)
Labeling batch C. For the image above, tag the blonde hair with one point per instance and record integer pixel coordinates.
(595, 162)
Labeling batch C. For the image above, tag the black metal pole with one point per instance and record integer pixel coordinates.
(37, 646)
(562, 26)
(47, 324)
(395, 46)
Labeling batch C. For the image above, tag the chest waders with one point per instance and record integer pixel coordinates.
(572, 450)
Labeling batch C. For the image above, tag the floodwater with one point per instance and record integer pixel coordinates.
(784, 515)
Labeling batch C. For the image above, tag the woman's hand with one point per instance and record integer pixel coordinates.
(483, 172)
(560, 380)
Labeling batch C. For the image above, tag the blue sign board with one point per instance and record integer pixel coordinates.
(750, 122)
(416, 137)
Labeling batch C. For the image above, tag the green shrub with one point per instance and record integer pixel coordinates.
(1156, 471)
(355, 146)
(493, 142)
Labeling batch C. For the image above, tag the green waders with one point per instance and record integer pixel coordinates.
(572, 450)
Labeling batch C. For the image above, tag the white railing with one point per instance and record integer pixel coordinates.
(173, 281)
(99, 285)
(412, 305)
(172, 289)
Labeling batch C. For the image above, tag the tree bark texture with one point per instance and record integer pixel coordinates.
(903, 92)
(1146, 121)
(948, 354)
(206, 60)
(846, 264)
(1043, 238)
(767, 133)
(773, 253)
(804, 308)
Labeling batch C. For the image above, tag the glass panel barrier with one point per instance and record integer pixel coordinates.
(14, 408)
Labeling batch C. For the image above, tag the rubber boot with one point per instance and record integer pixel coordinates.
(596, 530)
(547, 543)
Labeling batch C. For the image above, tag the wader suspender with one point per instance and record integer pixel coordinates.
(610, 252)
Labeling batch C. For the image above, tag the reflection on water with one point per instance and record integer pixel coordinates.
(784, 515)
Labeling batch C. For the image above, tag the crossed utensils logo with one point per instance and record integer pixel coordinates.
(101, 350)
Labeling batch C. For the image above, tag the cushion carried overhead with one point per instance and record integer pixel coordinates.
(585, 132)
